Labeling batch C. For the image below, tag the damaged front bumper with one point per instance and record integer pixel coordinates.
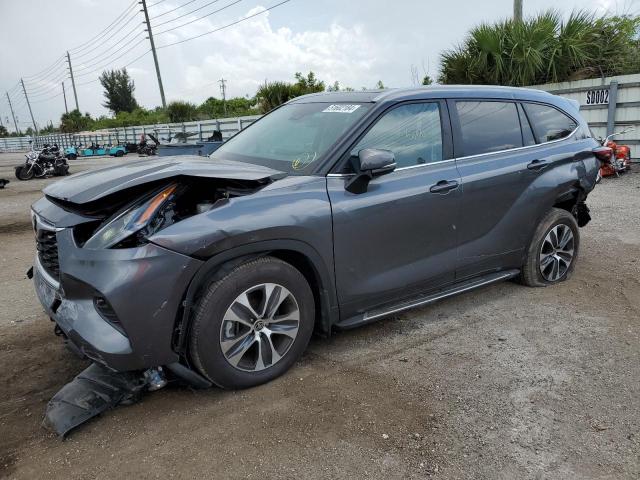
(116, 306)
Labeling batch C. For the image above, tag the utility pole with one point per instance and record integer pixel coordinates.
(13, 115)
(223, 90)
(35, 127)
(517, 10)
(64, 95)
(153, 50)
(73, 82)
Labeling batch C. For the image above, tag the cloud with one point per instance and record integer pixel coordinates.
(253, 51)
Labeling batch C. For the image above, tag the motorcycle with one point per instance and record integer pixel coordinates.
(43, 163)
(145, 147)
(620, 159)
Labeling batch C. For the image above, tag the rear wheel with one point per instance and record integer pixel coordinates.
(252, 325)
(119, 153)
(553, 252)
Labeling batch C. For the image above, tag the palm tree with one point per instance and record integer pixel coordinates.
(543, 49)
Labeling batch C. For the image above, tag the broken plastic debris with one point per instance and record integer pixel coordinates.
(95, 390)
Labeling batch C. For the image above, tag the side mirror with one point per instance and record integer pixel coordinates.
(370, 163)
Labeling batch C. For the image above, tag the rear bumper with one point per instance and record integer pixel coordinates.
(143, 287)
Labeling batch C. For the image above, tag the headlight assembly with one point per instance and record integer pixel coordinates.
(135, 218)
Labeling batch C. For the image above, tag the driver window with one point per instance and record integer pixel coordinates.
(412, 132)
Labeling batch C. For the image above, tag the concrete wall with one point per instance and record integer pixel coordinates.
(608, 117)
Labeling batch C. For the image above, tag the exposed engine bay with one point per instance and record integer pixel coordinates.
(169, 202)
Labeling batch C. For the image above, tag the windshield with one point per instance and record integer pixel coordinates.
(294, 137)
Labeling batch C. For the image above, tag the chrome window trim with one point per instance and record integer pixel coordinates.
(419, 165)
(522, 148)
(573, 132)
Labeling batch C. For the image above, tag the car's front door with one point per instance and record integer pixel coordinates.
(399, 237)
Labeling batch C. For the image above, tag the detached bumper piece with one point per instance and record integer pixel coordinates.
(96, 390)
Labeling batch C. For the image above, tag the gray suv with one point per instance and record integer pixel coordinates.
(332, 211)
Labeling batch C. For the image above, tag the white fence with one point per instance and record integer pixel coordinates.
(607, 104)
(116, 136)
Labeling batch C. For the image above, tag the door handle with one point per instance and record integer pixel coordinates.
(537, 165)
(443, 186)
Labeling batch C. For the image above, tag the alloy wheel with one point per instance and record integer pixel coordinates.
(556, 252)
(259, 327)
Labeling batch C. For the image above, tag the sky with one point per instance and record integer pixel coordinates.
(354, 42)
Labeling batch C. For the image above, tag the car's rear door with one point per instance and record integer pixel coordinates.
(399, 236)
(501, 165)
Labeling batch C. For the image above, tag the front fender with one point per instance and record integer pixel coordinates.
(221, 264)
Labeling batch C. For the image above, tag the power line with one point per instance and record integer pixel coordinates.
(185, 14)
(106, 30)
(124, 66)
(54, 72)
(225, 26)
(154, 4)
(172, 10)
(48, 69)
(113, 60)
(108, 40)
(199, 18)
(47, 99)
(45, 87)
(90, 64)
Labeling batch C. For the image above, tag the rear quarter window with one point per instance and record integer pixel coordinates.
(549, 123)
(488, 126)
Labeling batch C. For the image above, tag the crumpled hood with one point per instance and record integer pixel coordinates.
(94, 184)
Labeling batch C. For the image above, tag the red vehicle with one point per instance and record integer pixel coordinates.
(620, 159)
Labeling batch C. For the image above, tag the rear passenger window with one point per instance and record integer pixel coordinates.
(548, 123)
(488, 126)
(412, 132)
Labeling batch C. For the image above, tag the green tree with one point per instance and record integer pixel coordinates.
(74, 121)
(3, 131)
(235, 107)
(180, 111)
(48, 129)
(273, 94)
(380, 85)
(118, 91)
(308, 84)
(543, 49)
(427, 80)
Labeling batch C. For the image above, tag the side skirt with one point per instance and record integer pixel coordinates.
(425, 299)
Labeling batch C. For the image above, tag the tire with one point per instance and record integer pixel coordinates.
(222, 326)
(545, 265)
(119, 153)
(23, 173)
(72, 156)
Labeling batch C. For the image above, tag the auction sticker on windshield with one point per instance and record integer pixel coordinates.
(341, 108)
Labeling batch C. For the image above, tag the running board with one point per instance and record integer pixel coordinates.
(423, 299)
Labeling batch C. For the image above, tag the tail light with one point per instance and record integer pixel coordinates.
(602, 153)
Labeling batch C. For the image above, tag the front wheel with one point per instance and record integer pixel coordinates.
(252, 325)
(24, 173)
(553, 251)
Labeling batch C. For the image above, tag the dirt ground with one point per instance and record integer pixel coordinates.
(499, 383)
